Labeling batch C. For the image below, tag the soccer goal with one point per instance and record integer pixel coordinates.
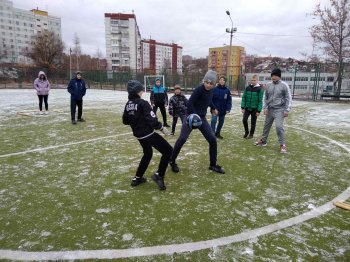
(150, 81)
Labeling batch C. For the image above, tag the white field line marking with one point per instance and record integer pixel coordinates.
(180, 248)
(63, 145)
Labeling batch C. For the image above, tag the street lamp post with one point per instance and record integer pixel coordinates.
(231, 31)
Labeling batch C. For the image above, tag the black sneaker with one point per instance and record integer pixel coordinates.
(159, 180)
(166, 125)
(217, 169)
(250, 136)
(245, 135)
(81, 120)
(174, 167)
(219, 136)
(74, 122)
(138, 180)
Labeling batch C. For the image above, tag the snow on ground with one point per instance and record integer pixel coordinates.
(17, 100)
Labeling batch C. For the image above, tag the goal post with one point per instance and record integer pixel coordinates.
(149, 81)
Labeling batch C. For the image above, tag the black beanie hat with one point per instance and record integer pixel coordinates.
(276, 72)
(134, 87)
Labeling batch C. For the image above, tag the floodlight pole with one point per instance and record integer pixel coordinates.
(231, 31)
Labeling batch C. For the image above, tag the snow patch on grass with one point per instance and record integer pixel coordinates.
(272, 211)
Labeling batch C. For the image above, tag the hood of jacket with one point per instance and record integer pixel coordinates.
(42, 73)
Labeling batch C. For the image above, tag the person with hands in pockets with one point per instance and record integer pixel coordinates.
(139, 115)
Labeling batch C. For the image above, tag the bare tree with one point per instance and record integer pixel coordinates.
(77, 50)
(47, 51)
(333, 33)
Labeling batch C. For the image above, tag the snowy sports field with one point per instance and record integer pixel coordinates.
(65, 189)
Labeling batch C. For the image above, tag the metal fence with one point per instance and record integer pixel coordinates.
(311, 81)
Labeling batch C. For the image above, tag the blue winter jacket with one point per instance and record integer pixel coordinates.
(222, 99)
(159, 96)
(76, 88)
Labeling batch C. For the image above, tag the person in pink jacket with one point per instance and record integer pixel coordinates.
(42, 87)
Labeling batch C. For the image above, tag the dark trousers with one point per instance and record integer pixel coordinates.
(246, 115)
(162, 110)
(158, 142)
(175, 118)
(41, 98)
(208, 134)
(73, 106)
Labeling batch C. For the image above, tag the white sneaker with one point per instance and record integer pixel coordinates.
(283, 149)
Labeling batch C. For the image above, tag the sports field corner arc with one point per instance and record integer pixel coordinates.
(199, 178)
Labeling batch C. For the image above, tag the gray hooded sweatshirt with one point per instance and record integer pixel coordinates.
(277, 96)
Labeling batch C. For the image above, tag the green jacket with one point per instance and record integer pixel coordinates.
(252, 98)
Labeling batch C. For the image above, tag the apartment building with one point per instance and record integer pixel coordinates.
(123, 42)
(227, 61)
(157, 56)
(18, 29)
(125, 50)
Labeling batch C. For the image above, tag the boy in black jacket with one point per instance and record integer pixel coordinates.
(139, 115)
(177, 107)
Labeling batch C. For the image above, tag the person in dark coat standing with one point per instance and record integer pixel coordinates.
(143, 121)
(77, 90)
(159, 98)
(177, 107)
(222, 101)
(198, 103)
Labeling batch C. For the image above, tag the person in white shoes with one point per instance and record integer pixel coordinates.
(277, 104)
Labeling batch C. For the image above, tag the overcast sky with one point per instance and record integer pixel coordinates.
(274, 27)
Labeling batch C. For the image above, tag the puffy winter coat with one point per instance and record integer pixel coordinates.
(178, 105)
(252, 98)
(222, 99)
(42, 86)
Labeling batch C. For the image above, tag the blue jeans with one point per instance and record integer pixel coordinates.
(214, 119)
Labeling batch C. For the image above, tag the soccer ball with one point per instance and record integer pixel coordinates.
(194, 121)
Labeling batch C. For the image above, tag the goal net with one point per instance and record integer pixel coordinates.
(149, 81)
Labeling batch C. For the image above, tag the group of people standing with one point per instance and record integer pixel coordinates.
(274, 100)
(76, 88)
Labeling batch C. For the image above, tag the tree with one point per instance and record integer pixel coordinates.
(333, 33)
(47, 51)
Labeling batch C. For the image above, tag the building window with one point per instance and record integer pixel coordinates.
(330, 79)
(301, 78)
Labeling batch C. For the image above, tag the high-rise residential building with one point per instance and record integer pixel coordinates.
(220, 60)
(157, 57)
(123, 42)
(125, 49)
(18, 29)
